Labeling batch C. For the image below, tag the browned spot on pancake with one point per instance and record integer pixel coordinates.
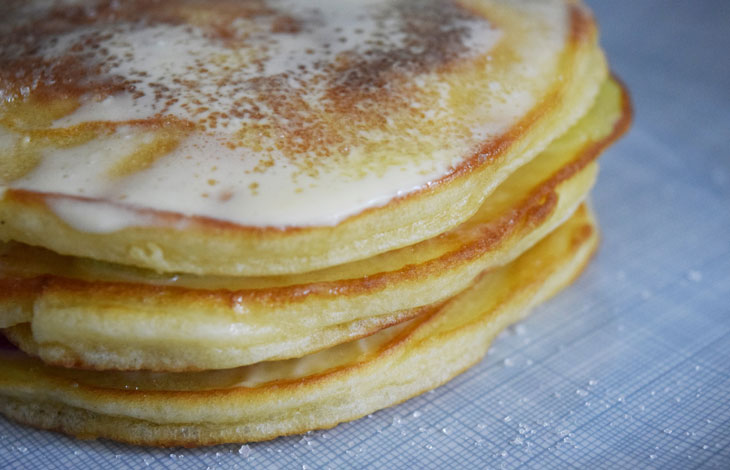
(34, 137)
(18, 163)
(582, 24)
(27, 152)
(37, 111)
(11, 288)
(285, 24)
(164, 140)
(24, 117)
(583, 233)
(542, 207)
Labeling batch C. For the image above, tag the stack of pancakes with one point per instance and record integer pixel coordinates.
(228, 221)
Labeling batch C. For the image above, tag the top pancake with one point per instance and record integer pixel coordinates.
(268, 137)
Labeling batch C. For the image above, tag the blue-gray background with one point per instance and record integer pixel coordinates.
(629, 368)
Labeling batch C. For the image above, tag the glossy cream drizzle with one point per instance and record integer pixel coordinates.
(304, 113)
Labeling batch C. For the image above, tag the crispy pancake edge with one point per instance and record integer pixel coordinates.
(419, 358)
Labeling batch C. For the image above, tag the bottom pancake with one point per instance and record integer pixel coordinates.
(320, 390)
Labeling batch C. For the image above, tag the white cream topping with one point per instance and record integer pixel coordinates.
(97, 216)
(288, 186)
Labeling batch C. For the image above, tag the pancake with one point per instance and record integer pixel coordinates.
(275, 137)
(317, 391)
(229, 221)
(81, 313)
